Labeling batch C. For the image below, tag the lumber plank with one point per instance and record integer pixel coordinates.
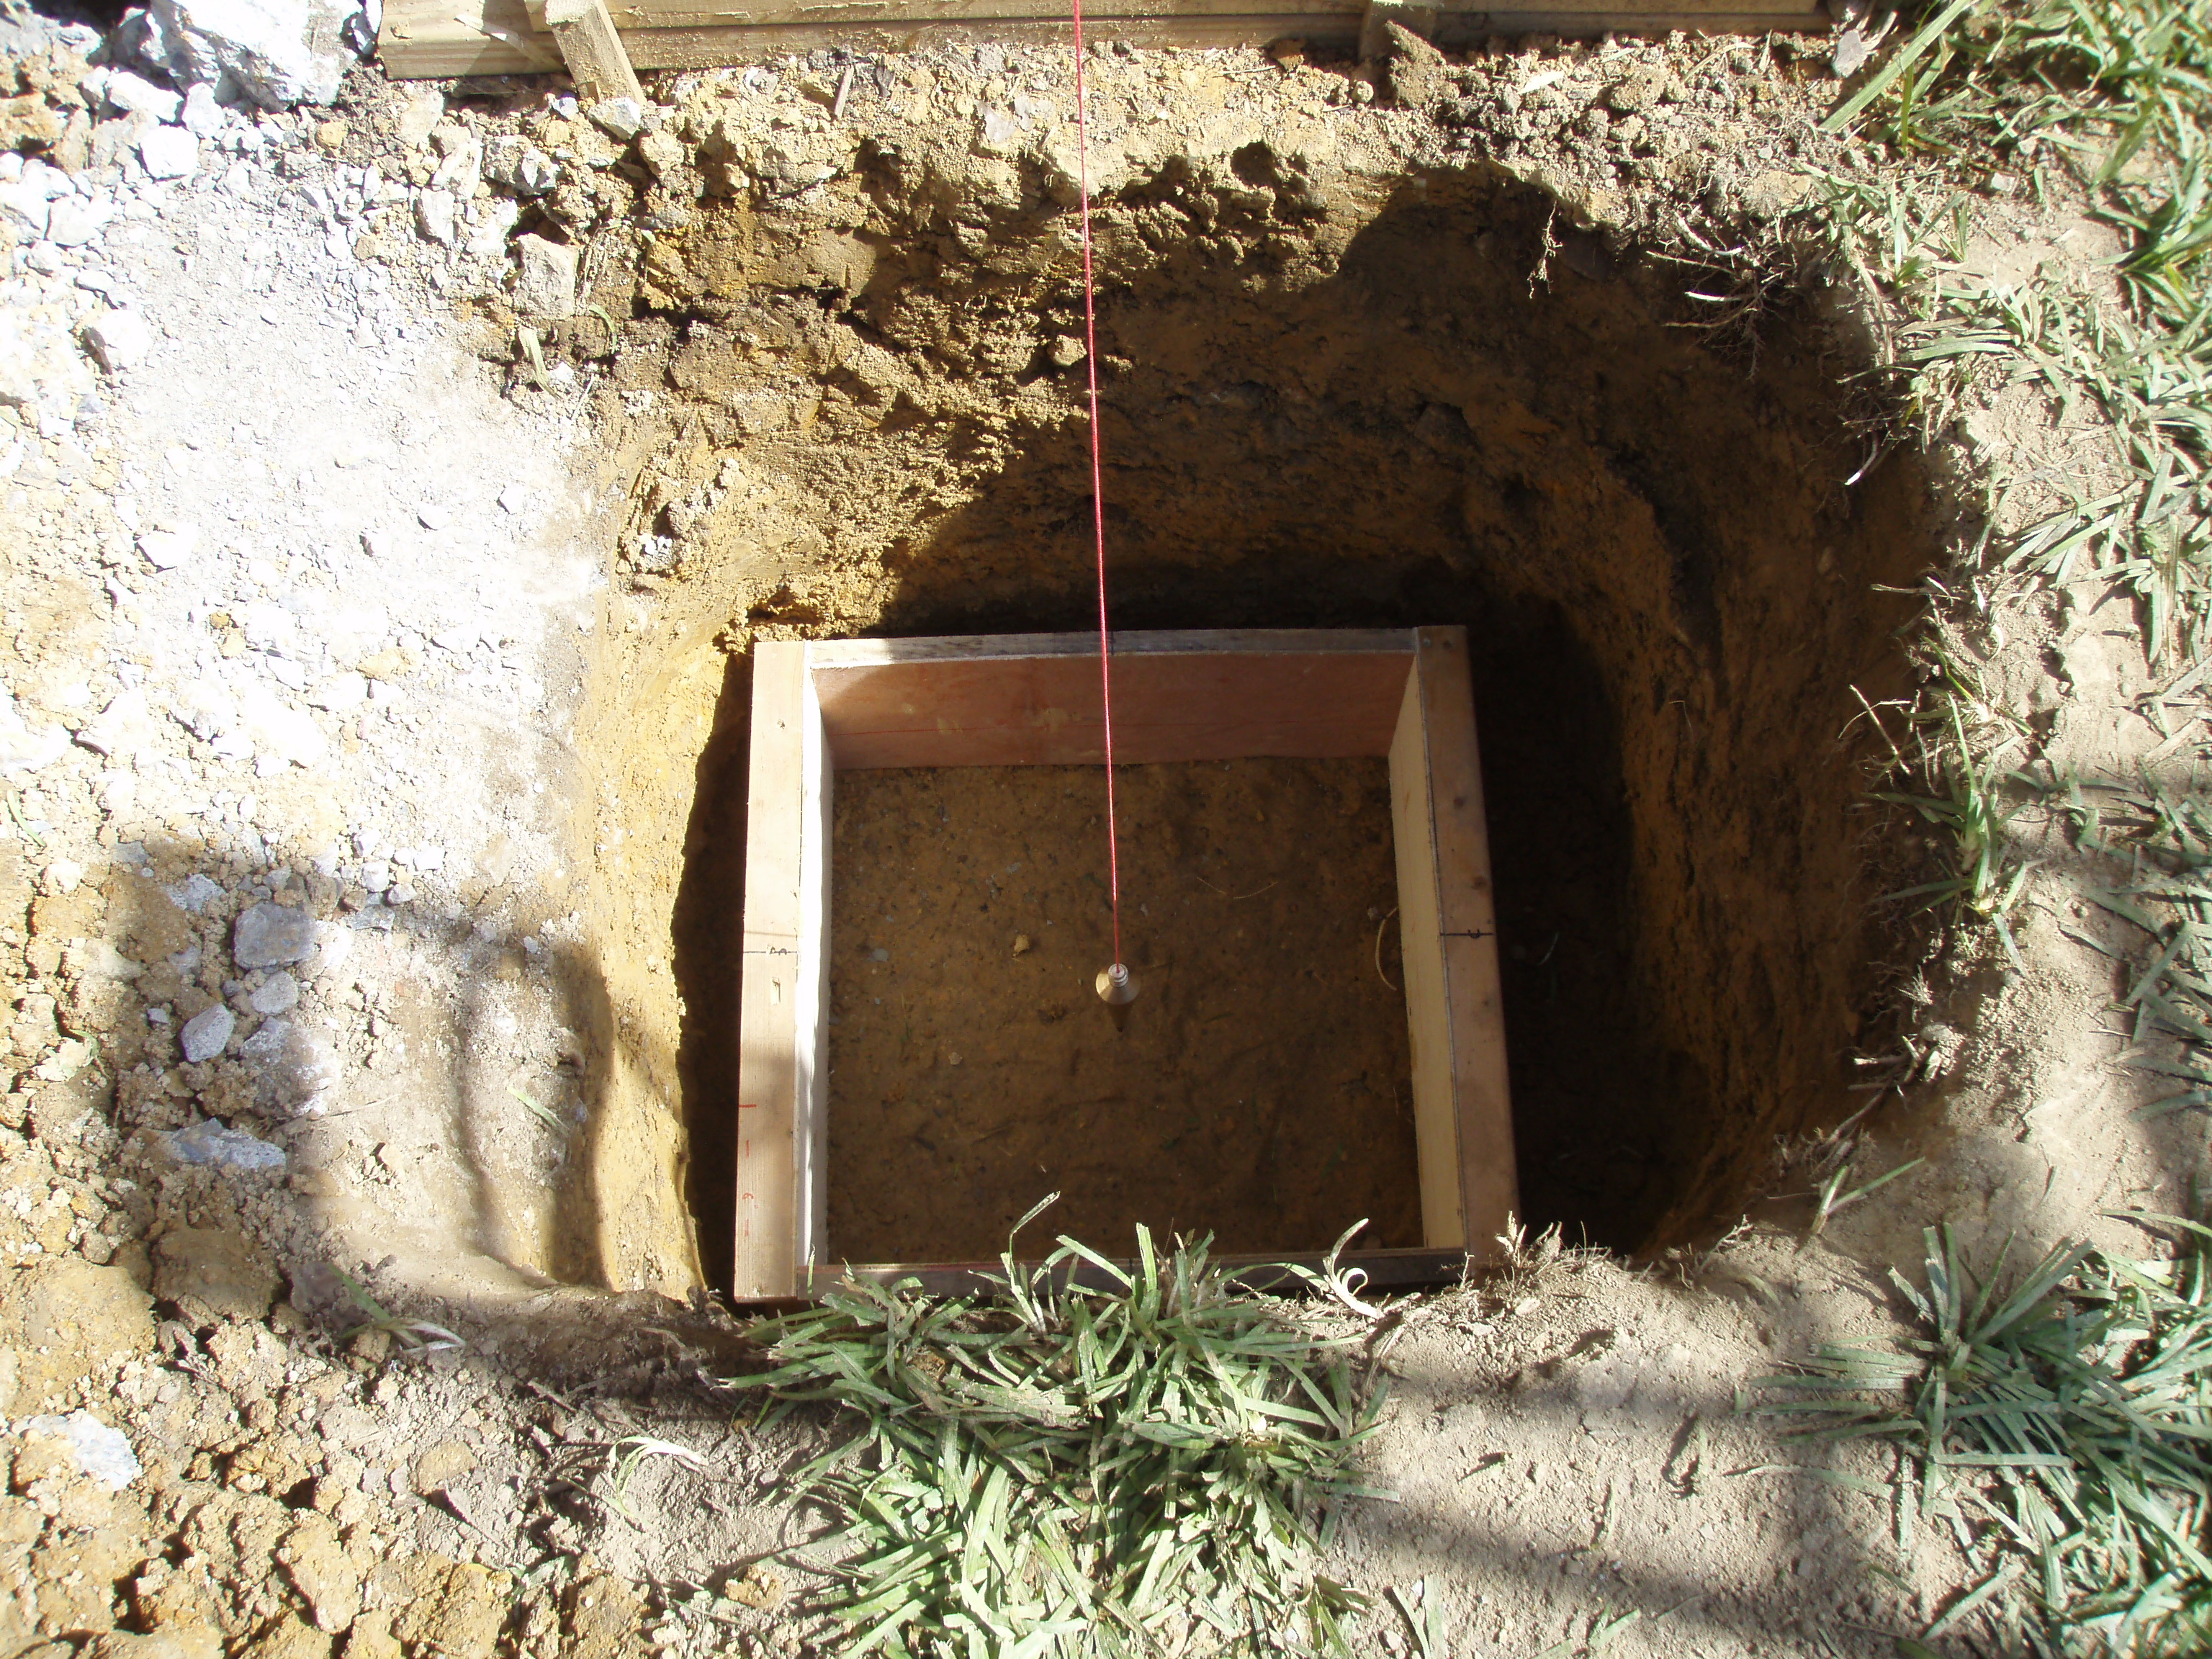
(768, 995)
(644, 15)
(1462, 832)
(908, 14)
(590, 48)
(1428, 1016)
(811, 1084)
(423, 38)
(1462, 1110)
(953, 647)
(1035, 700)
(1489, 1176)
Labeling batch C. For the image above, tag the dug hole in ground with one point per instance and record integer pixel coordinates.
(395, 488)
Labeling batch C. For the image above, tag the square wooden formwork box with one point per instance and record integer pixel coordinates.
(825, 707)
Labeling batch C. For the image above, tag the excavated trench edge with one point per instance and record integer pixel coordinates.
(1672, 591)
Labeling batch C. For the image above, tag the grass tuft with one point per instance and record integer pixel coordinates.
(1088, 1462)
(2073, 1413)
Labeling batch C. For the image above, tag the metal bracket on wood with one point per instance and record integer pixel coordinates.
(593, 51)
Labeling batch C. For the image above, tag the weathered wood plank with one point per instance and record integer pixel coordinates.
(590, 48)
(1488, 1171)
(768, 996)
(1142, 642)
(1462, 832)
(1412, 835)
(907, 14)
(422, 38)
(811, 1087)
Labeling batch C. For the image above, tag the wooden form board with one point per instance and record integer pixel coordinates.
(783, 996)
(1035, 700)
(434, 38)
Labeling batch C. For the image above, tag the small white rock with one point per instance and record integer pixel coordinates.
(207, 1033)
(202, 116)
(124, 729)
(75, 221)
(194, 893)
(431, 516)
(423, 110)
(23, 205)
(21, 748)
(512, 498)
(169, 153)
(167, 547)
(547, 286)
(339, 692)
(279, 992)
(620, 118)
(433, 217)
(132, 94)
(118, 340)
(100, 1451)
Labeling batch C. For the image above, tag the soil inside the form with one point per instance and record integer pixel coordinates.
(1259, 1085)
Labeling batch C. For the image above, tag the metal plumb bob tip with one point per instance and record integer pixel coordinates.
(1117, 986)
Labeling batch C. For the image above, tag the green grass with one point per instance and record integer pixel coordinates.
(1059, 1471)
(2062, 1429)
(2165, 839)
(1970, 799)
(2113, 100)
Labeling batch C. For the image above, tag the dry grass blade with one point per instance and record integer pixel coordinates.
(414, 1336)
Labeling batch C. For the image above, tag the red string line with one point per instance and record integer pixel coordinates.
(1097, 470)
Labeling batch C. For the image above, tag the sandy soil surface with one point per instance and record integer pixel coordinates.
(1260, 1088)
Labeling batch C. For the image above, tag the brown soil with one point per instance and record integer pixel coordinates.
(1325, 407)
(1258, 1089)
(1354, 373)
